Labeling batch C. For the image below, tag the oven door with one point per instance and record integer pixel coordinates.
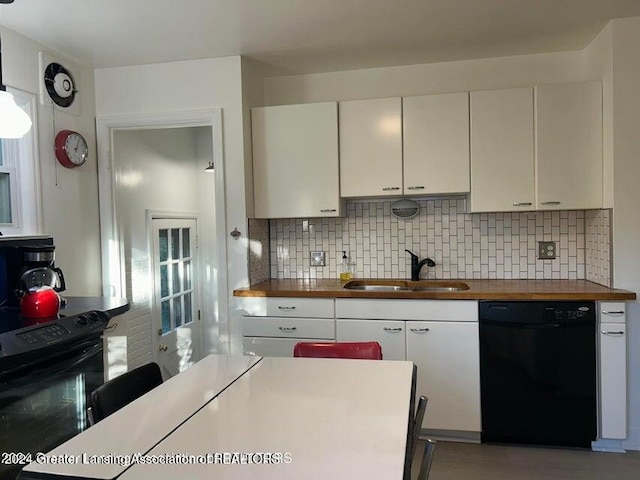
(44, 403)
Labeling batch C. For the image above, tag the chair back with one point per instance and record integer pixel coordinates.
(356, 350)
(120, 391)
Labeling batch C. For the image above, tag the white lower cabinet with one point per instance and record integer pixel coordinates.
(390, 334)
(448, 360)
(272, 326)
(612, 375)
(439, 336)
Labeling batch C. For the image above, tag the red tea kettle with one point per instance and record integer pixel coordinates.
(39, 298)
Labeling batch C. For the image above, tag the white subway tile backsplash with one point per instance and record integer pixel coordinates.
(487, 245)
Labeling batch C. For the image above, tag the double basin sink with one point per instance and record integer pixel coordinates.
(406, 286)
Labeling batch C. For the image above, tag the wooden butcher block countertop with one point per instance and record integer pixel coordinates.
(478, 290)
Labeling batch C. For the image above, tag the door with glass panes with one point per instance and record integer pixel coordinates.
(176, 322)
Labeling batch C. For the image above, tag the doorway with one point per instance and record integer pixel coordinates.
(152, 170)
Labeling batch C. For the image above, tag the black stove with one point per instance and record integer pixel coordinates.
(48, 369)
(24, 340)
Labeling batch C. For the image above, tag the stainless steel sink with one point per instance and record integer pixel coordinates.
(405, 286)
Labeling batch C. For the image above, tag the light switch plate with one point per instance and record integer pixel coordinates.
(317, 259)
(546, 250)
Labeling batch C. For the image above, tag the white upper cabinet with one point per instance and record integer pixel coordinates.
(436, 143)
(569, 145)
(295, 161)
(502, 158)
(371, 147)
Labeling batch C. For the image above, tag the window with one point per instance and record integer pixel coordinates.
(19, 177)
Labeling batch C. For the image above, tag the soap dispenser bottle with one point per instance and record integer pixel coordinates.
(345, 271)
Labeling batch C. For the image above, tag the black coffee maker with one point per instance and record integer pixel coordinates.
(19, 255)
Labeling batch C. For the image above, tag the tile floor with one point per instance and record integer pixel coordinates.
(463, 461)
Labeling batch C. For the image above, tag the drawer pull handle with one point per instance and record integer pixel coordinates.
(521, 204)
(387, 189)
(419, 187)
(392, 330)
(611, 333)
(419, 330)
(618, 312)
(286, 308)
(327, 210)
(550, 203)
(287, 329)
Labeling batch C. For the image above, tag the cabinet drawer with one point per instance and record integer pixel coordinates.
(612, 312)
(287, 307)
(445, 310)
(289, 327)
(271, 347)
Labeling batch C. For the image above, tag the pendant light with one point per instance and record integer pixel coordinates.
(14, 122)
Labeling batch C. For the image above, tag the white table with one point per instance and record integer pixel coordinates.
(328, 418)
(338, 419)
(143, 423)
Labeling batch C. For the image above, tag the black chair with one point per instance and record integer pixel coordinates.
(427, 459)
(120, 391)
(417, 423)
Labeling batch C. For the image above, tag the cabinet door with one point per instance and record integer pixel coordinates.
(436, 143)
(448, 360)
(295, 161)
(389, 334)
(502, 171)
(370, 147)
(569, 145)
(613, 380)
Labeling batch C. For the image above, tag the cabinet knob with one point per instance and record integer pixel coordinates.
(392, 330)
(281, 307)
(387, 189)
(328, 210)
(550, 203)
(604, 332)
(419, 187)
(617, 312)
(522, 204)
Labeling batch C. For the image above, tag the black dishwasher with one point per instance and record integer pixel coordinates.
(538, 373)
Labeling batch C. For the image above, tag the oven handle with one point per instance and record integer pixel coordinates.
(88, 350)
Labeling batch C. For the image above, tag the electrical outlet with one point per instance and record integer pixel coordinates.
(546, 250)
(317, 259)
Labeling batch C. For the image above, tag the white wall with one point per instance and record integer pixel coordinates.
(186, 86)
(626, 220)
(69, 196)
(410, 80)
(207, 241)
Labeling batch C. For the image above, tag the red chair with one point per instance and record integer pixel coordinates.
(357, 350)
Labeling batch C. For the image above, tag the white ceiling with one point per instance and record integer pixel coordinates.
(310, 35)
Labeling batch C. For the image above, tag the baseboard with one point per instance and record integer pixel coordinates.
(460, 436)
(607, 445)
